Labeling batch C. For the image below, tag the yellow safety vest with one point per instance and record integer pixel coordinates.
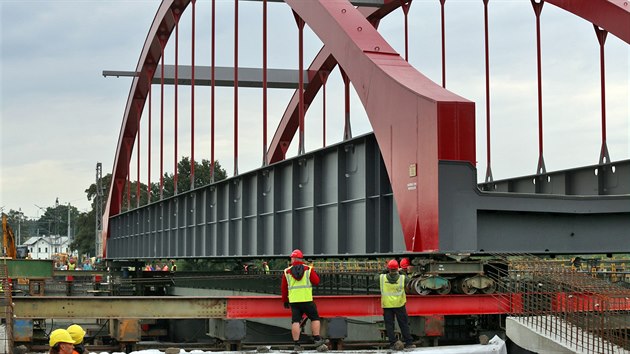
(392, 295)
(299, 290)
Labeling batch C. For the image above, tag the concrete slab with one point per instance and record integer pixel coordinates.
(527, 334)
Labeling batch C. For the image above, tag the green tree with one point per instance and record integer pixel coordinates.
(84, 241)
(56, 218)
(202, 176)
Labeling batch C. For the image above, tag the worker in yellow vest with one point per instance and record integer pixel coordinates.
(393, 300)
(297, 294)
(265, 267)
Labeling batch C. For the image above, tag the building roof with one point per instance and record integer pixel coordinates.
(51, 240)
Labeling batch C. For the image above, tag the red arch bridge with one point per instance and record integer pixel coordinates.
(406, 184)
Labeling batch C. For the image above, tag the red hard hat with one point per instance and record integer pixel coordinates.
(404, 263)
(297, 254)
(393, 264)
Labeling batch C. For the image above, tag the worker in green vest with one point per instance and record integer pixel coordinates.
(297, 294)
(393, 300)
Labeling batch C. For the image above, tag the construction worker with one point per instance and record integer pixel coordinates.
(297, 294)
(265, 267)
(393, 300)
(173, 266)
(60, 342)
(404, 266)
(77, 333)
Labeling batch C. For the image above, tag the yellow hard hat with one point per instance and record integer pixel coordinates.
(60, 336)
(77, 333)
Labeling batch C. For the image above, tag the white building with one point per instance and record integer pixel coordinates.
(44, 247)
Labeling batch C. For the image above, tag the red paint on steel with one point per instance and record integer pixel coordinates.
(370, 305)
(138, 161)
(415, 121)
(405, 7)
(264, 85)
(162, 44)
(212, 87)
(487, 62)
(129, 189)
(323, 76)
(611, 15)
(347, 129)
(323, 62)
(576, 302)
(236, 87)
(601, 38)
(175, 174)
(538, 6)
(300, 25)
(434, 326)
(443, 43)
(149, 146)
(192, 102)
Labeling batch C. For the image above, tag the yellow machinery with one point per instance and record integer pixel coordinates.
(8, 239)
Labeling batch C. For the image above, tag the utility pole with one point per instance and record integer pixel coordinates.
(69, 236)
(98, 210)
(19, 238)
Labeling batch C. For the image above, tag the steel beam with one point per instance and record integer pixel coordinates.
(119, 307)
(337, 202)
(235, 307)
(604, 179)
(370, 305)
(367, 3)
(224, 76)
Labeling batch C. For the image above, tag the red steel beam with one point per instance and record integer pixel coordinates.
(415, 121)
(370, 305)
(611, 15)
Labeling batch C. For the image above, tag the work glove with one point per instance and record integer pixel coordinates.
(286, 305)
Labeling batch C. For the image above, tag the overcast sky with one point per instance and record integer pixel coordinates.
(60, 116)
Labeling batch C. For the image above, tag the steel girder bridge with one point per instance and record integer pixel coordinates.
(408, 187)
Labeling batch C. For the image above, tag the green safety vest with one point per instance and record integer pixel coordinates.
(300, 290)
(392, 295)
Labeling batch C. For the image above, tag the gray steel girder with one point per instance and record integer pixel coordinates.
(474, 221)
(223, 76)
(334, 201)
(337, 202)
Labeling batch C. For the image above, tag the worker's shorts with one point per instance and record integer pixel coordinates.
(300, 308)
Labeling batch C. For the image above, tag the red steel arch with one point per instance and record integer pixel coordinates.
(416, 121)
